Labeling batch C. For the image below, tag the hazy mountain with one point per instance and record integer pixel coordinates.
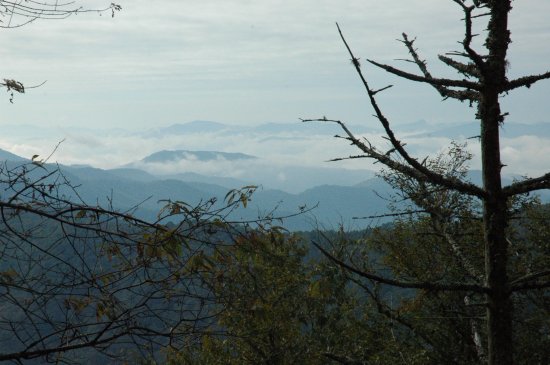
(471, 129)
(309, 128)
(134, 174)
(334, 204)
(269, 129)
(135, 190)
(285, 152)
(234, 169)
(227, 182)
(177, 155)
(5, 155)
(293, 179)
(420, 128)
(197, 126)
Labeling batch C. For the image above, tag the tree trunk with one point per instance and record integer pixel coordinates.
(495, 212)
(499, 305)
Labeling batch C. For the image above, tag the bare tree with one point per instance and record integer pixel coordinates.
(484, 82)
(75, 276)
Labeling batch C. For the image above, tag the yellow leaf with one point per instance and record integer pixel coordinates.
(9, 275)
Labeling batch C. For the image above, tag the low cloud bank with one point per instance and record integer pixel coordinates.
(281, 152)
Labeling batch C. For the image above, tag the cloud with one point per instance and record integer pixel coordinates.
(283, 145)
(288, 157)
(239, 60)
(526, 155)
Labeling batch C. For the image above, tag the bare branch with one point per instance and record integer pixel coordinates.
(468, 36)
(458, 252)
(400, 214)
(18, 13)
(526, 81)
(429, 80)
(415, 169)
(466, 69)
(374, 92)
(385, 159)
(77, 276)
(526, 186)
(530, 277)
(531, 286)
(443, 90)
(403, 284)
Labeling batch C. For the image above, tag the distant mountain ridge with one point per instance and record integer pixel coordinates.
(197, 126)
(471, 129)
(419, 128)
(131, 189)
(176, 155)
(126, 188)
(8, 156)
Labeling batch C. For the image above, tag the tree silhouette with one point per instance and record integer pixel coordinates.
(484, 81)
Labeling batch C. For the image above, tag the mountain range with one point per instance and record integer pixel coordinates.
(332, 204)
(203, 159)
(130, 188)
(170, 156)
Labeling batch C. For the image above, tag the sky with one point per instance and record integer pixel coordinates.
(245, 62)
(239, 61)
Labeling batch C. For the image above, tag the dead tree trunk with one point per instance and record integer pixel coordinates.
(492, 82)
(483, 83)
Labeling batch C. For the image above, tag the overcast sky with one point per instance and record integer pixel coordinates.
(248, 62)
(243, 61)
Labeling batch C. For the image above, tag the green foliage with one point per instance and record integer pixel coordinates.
(444, 324)
(440, 239)
(277, 307)
(277, 302)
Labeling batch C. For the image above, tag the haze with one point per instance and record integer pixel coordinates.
(244, 63)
